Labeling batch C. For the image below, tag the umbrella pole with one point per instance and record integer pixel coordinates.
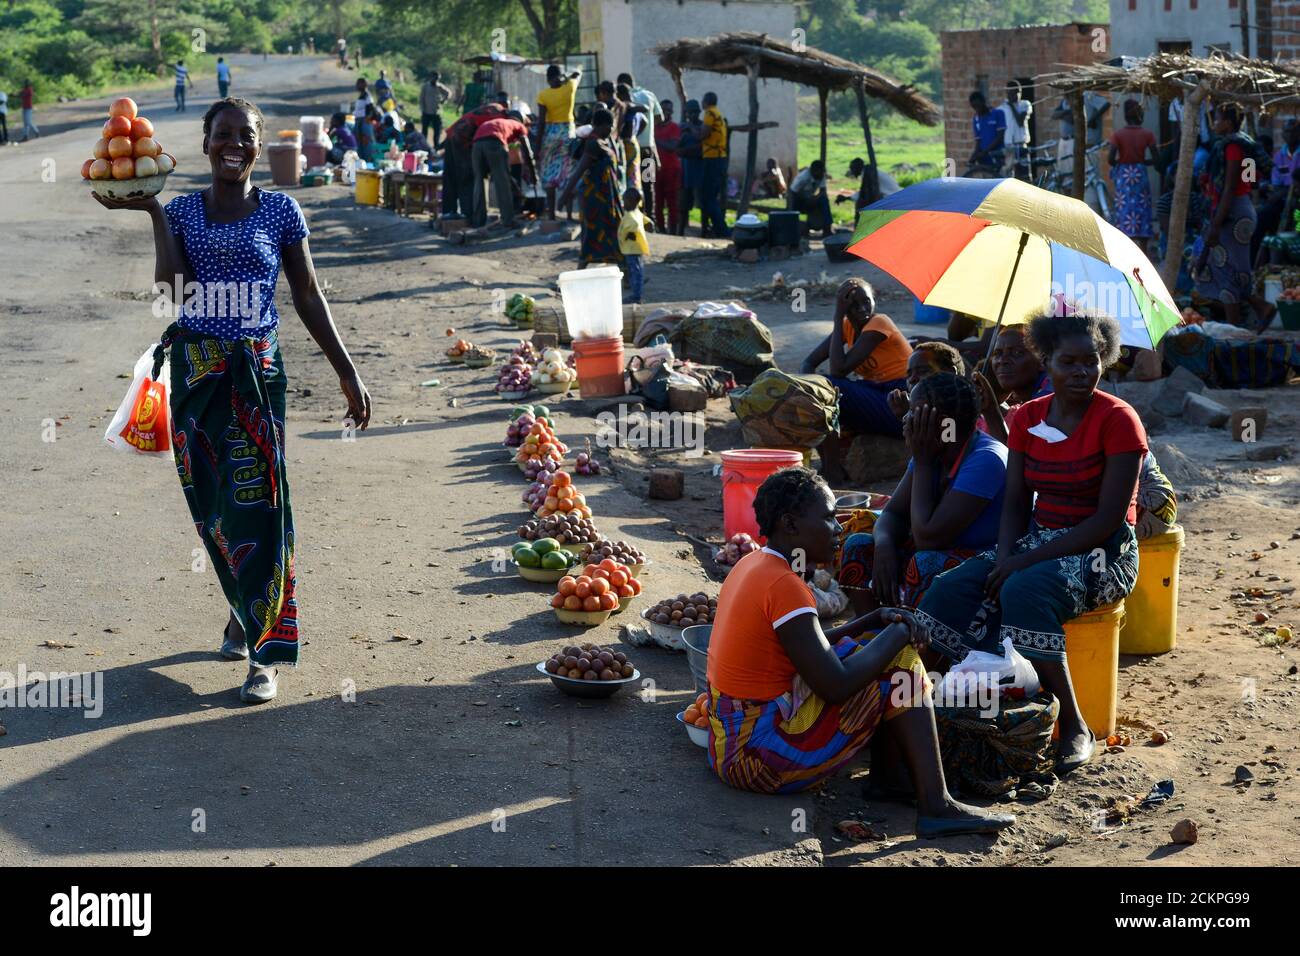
(1020, 251)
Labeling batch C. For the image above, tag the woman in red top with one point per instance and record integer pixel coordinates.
(1132, 150)
(668, 136)
(790, 704)
(1066, 544)
(1222, 269)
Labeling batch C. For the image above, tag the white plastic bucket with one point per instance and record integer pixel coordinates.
(593, 302)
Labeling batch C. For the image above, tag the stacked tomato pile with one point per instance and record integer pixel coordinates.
(127, 149)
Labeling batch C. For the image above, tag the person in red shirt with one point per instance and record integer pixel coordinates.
(667, 137)
(789, 703)
(1223, 269)
(491, 157)
(458, 164)
(29, 122)
(1132, 150)
(1066, 545)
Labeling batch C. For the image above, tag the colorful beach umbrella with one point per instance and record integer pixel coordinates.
(1000, 249)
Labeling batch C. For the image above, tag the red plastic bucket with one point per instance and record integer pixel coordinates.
(600, 366)
(743, 470)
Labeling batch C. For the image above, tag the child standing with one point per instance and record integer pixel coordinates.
(632, 243)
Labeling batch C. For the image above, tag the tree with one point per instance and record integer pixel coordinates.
(531, 27)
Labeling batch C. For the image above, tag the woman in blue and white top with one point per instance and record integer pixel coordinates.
(218, 255)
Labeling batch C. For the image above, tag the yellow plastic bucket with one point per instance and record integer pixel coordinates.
(367, 191)
(1092, 652)
(1151, 626)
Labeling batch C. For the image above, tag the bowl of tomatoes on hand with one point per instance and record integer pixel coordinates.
(128, 162)
(695, 719)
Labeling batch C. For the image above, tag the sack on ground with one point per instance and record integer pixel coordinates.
(1011, 750)
(724, 334)
(780, 410)
(142, 423)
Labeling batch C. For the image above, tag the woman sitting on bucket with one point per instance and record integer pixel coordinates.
(790, 704)
(946, 508)
(1066, 544)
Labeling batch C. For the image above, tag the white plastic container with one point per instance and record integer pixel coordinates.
(593, 302)
(312, 129)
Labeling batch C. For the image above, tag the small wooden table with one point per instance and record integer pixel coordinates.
(418, 192)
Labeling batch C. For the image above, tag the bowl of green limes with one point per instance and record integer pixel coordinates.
(543, 560)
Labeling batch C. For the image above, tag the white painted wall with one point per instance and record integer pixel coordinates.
(1138, 32)
(629, 29)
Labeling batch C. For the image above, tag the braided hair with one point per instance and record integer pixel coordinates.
(1047, 331)
(952, 396)
(943, 356)
(237, 103)
(785, 492)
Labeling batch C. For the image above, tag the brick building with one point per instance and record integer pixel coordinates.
(986, 59)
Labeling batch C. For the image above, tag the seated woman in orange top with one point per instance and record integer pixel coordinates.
(866, 344)
(791, 704)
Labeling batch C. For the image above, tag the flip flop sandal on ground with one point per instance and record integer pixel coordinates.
(931, 827)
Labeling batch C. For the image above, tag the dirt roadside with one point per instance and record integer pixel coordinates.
(452, 727)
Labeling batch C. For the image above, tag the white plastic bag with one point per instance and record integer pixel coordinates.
(143, 421)
(1008, 672)
(830, 598)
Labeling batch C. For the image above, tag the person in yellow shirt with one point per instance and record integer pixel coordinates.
(632, 243)
(713, 219)
(554, 131)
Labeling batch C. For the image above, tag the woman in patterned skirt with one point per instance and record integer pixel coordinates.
(596, 175)
(790, 704)
(1222, 267)
(1066, 544)
(1132, 151)
(225, 246)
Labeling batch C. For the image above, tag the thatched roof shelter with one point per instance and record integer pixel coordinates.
(778, 60)
(759, 56)
(1254, 84)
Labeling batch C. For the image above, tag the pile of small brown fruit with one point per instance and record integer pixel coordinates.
(684, 610)
(620, 551)
(564, 527)
(590, 662)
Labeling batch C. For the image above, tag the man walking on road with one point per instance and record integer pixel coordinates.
(29, 123)
(223, 77)
(4, 118)
(182, 77)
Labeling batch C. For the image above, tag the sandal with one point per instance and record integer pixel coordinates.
(233, 650)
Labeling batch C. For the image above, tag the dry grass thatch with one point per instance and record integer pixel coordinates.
(1233, 77)
(777, 60)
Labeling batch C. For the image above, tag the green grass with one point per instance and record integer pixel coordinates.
(897, 141)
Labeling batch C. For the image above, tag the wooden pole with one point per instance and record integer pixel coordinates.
(751, 153)
(822, 94)
(870, 175)
(1182, 186)
(1080, 145)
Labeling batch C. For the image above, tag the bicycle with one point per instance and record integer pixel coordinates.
(1053, 180)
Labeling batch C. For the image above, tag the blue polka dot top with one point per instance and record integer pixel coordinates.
(236, 265)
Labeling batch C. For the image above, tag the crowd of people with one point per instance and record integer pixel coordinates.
(1241, 208)
(1027, 489)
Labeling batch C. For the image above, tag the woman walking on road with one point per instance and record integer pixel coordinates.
(596, 175)
(228, 383)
